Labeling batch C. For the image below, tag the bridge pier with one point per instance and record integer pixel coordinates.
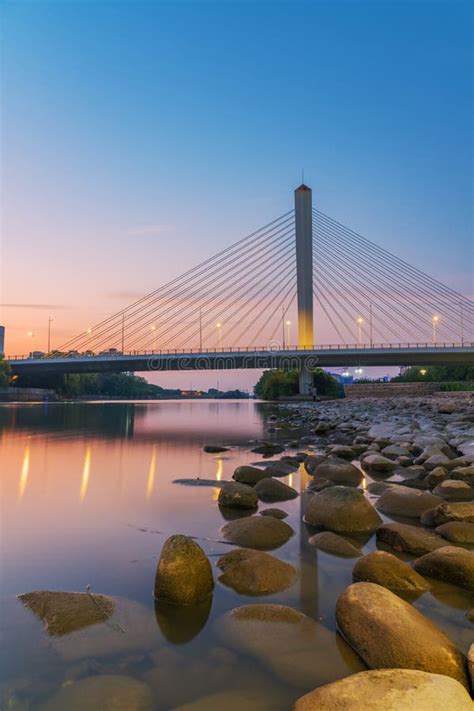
(305, 381)
(304, 276)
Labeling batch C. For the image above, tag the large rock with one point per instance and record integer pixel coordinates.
(66, 612)
(391, 572)
(457, 531)
(105, 692)
(237, 700)
(260, 532)
(339, 471)
(394, 451)
(388, 632)
(458, 511)
(455, 565)
(454, 490)
(237, 496)
(184, 574)
(292, 645)
(313, 461)
(388, 690)
(464, 474)
(268, 449)
(343, 510)
(276, 513)
(342, 451)
(251, 572)
(406, 502)
(334, 544)
(247, 474)
(378, 464)
(270, 490)
(409, 539)
(215, 448)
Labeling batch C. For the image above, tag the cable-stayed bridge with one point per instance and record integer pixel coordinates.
(264, 301)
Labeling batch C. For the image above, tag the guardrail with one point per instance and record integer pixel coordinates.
(245, 349)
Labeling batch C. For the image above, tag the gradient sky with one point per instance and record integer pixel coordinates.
(140, 137)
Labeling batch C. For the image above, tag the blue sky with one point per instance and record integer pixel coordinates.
(140, 137)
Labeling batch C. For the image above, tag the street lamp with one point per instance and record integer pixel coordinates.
(434, 321)
(423, 371)
(288, 332)
(360, 321)
(219, 334)
(89, 330)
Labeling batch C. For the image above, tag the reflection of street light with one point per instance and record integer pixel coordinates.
(219, 334)
(360, 321)
(434, 321)
(288, 332)
(359, 371)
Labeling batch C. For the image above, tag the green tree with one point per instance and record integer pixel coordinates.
(5, 373)
(283, 383)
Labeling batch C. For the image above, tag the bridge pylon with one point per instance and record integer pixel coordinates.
(304, 275)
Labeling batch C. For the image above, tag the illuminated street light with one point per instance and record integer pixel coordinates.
(360, 321)
(89, 330)
(434, 321)
(288, 332)
(423, 371)
(153, 330)
(219, 334)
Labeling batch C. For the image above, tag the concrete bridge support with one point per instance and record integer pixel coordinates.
(304, 275)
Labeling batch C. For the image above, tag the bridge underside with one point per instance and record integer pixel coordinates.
(307, 359)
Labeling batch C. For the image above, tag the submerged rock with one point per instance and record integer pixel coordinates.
(406, 502)
(260, 532)
(237, 496)
(215, 448)
(334, 544)
(269, 490)
(251, 572)
(377, 463)
(276, 513)
(389, 571)
(292, 645)
(409, 539)
(338, 471)
(387, 631)
(455, 565)
(247, 474)
(184, 574)
(105, 692)
(268, 449)
(388, 690)
(343, 510)
(237, 700)
(66, 612)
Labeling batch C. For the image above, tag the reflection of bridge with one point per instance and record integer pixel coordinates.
(303, 268)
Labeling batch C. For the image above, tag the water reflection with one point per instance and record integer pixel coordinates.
(151, 473)
(25, 468)
(86, 468)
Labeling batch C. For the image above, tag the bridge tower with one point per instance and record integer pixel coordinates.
(304, 275)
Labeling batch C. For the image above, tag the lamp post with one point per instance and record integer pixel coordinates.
(219, 334)
(360, 321)
(434, 321)
(288, 332)
(153, 330)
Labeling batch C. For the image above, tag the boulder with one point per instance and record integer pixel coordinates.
(406, 502)
(343, 510)
(103, 691)
(66, 612)
(463, 474)
(339, 471)
(379, 464)
(409, 539)
(438, 460)
(389, 571)
(249, 475)
(215, 448)
(316, 485)
(293, 646)
(394, 451)
(458, 511)
(281, 468)
(235, 495)
(334, 544)
(268, 449)
(388, 690)
(454, 490)
(322, 428)
(269, 490)
(251, 572)
(276, 513)
(184, 574)
(342, 451)
(436, 476)
(388, 632)
(457, 531)
(313, 461)
(452, 564)
(260, 532)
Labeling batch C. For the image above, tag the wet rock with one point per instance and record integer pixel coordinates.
(313, 461)
(251, 572)
(281, 468)
(457, 531)
(409, 539)
(458, 511)
(66, 612)
(470, 664)
(406, 502)
(338, 471)
(454, 490)
(438, 460)
(322, 428)
(343, 510)
(237, 496)
(394, 451)
(286, 641)
(379, 464)
(106, 692)
(334, 544)
(200, 482)
(316, 485)
(342, 451)
(436, 476)
(184, 574)
(464, 474)
(269, 490)
(237, 700)
(388, 690)
(180, 624)
(215, 449)
(389, 571)
(414, 483)
(379, 487)
(276, 513)
(388, 632)
(249, 475)
(455, 565)
(260, 532)
(268, 449)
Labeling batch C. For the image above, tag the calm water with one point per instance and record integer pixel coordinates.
(88, 499)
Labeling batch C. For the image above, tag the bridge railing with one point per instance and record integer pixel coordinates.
(244, 349)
